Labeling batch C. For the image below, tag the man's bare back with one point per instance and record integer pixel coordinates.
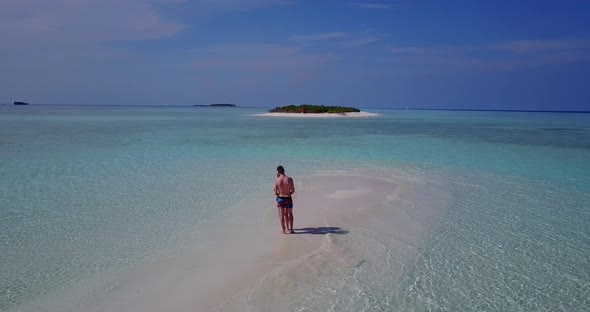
(283, 189)
(284, 186)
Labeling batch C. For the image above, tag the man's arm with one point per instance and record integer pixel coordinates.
(291, 186)
(275, 189)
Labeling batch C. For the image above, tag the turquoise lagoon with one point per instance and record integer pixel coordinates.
(87, 190)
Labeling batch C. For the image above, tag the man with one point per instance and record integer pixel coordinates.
(283, 189)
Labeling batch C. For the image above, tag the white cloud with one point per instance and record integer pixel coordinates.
(257, 57)
(506, 55)
(39, 22)
(377, 6)
(514, 46)
(344, 39)
(65, 25)
(362, 40)
(319, 36)
(49, 46)
(534, 46)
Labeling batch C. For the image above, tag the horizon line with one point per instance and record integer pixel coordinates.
(391, 108)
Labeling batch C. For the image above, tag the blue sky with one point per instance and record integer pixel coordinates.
(419, 54)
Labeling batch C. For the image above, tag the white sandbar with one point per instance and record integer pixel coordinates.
(349, 223)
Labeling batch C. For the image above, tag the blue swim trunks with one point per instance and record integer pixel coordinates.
(285, 202)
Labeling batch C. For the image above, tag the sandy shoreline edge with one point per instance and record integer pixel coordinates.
(319, 115)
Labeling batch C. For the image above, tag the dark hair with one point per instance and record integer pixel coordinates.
(280, 169)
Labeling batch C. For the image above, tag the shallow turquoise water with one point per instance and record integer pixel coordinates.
(88, 189)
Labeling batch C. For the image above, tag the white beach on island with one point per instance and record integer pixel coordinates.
(319, 115)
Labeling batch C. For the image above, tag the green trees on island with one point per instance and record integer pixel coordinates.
(307, 108)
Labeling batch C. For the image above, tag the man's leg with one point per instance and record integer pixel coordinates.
(289, 212)
(282, 217)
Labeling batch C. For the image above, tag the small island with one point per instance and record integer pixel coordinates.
(314, 109)
(309, 110)
(216, 105)
(19, 103)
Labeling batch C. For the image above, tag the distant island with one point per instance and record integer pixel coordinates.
(314, 109)
(216, 105)
(20, 103)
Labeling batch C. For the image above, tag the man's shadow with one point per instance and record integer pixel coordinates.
(322, 230)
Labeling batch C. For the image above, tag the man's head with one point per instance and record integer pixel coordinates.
(281, 170)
